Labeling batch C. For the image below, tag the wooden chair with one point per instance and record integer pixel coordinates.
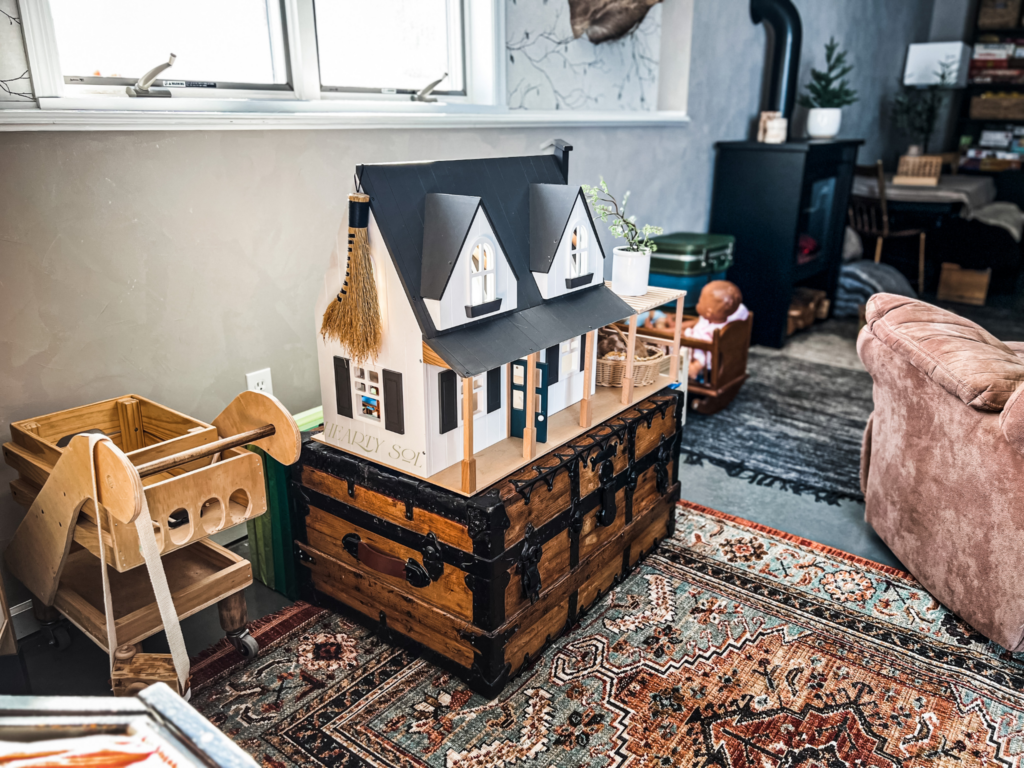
(870, 216)
(728, 349)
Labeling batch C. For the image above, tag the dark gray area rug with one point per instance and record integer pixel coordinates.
(795, 426)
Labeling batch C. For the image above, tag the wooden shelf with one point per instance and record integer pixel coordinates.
(198, 575)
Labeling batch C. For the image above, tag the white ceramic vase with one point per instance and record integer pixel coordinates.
(630, 270)
(823, 123)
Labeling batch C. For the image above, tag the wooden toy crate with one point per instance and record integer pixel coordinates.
(187, 503)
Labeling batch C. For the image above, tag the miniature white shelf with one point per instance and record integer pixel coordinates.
(654, 298)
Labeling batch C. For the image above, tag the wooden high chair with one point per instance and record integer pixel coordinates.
(728, 349)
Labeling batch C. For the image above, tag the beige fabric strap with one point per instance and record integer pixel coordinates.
(164, 604)
(157, 577)
(108, 609)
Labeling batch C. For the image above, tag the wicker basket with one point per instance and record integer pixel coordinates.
(998, 14)
(920, 165)
(645, 370)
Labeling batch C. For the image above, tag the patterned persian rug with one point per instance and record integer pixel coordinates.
(795, 425)
(733, 645)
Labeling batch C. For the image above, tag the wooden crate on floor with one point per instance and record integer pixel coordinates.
(963, 286)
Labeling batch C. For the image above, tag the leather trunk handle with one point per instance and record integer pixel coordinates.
(381, 562)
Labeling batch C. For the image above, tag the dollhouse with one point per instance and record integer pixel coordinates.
(489, 276)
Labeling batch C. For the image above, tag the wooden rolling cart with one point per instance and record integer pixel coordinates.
(194, 478)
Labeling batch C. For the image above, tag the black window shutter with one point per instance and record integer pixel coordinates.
(583, 351)
(494, 389)
(343, 386)
(552, 361)
(448, 400)
(394, 402)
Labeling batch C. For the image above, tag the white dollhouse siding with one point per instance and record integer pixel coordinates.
(401, 351)
(450, 311)
(552, 283)
(568, 390)
(488, 428)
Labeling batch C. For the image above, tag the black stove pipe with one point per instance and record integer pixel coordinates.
(787, 34)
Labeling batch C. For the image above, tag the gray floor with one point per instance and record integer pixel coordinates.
(81, 669)
(833, 342)
(842, 526)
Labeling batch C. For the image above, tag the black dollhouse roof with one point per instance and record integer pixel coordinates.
(550, 208)
(398, 199)
(448, 219)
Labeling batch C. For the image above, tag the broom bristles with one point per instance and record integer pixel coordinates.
(353, 318)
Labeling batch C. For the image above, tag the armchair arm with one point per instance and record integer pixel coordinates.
(1011, 420)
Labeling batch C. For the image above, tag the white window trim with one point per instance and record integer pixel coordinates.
(583, 249)
(485, 244)
(68, 107)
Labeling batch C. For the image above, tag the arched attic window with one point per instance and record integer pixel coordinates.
(482, 282)
(578, 252)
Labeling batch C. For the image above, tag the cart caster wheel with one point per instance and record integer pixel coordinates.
(58, 637)
(245, 644)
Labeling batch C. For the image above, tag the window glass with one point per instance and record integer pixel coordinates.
(578, 252)
(227, 41)
(517, 399)
(388, 45)
(482, 281)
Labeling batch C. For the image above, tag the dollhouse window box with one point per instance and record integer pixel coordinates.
(576, 282)
(479, 310)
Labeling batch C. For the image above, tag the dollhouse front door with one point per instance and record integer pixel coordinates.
(519, 390)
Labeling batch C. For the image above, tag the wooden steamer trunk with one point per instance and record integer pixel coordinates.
(482, 584)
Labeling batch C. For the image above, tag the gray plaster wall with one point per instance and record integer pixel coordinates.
(171, 263)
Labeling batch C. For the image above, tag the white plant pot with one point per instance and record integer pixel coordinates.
(823, 123)
(630, 270)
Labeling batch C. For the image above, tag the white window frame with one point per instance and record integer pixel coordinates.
(582, 250)
(483, 24)
(366, 382)
(569, 357)
(485, 246)
(306, 106)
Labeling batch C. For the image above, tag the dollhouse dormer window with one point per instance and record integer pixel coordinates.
(578, 252)
(482, 284)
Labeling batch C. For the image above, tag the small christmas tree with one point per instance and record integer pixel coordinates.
(830, 89)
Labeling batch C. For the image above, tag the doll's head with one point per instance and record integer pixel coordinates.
(718, 300)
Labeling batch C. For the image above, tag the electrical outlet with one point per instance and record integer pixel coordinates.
(259, 381)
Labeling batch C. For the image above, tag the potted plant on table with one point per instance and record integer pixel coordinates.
(631, 263)
(827, 94)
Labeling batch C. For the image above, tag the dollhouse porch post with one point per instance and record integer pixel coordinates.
(530, 430)
(676, 336)
(468, 461)
(627, 377)
(586, 408)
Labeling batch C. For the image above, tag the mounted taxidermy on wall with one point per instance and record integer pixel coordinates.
(602, 20)
(353, 318)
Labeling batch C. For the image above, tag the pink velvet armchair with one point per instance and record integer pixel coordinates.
(942, 465)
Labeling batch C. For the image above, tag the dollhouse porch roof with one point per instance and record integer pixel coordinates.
(398, 198)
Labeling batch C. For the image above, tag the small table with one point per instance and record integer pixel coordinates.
(952, 192)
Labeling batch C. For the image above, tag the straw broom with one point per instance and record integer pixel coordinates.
(353, 319)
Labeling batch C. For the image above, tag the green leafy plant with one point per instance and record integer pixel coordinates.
(916, 110)
(621, 226)
(830, 89)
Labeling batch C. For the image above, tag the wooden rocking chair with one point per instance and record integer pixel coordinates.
(869, 216)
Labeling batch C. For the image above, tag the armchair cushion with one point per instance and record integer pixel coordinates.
(957, 354)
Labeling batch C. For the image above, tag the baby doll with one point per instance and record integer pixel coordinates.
(720, 304)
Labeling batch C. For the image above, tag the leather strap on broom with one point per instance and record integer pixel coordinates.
(353, 319)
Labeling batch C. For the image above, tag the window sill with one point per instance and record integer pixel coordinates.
(74, 115)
